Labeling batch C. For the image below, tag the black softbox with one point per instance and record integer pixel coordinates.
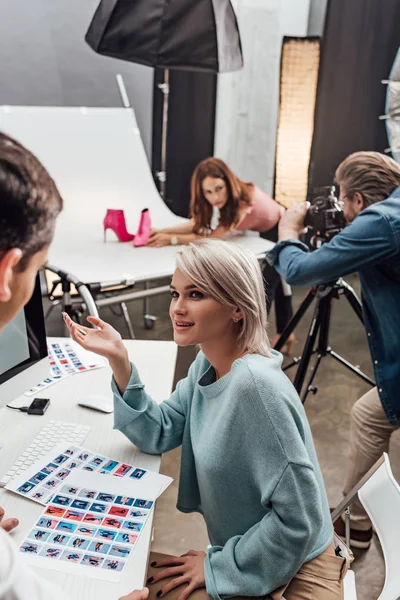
(173, 34)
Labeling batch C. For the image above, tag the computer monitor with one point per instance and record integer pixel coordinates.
(23, 350)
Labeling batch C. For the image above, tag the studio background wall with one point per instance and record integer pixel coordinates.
(359, 45)
(44, 60)
(248, 101)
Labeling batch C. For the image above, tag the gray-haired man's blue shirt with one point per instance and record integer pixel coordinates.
(370, 245)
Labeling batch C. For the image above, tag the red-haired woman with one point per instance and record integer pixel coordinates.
(242, 206)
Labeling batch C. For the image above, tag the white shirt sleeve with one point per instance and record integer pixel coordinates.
(17, 580)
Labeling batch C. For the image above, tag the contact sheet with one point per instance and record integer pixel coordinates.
(91, 523)
(47, 476)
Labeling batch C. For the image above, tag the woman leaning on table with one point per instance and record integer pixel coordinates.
(248, 460)
(241, 206)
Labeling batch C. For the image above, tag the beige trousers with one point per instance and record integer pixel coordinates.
(319, 579)
(369, 437)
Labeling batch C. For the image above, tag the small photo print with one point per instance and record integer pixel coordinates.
(66, 526)
(39, 494)
(29, 548)
(103, 497)
(98, 507)
(127, 538)
(99, 547)
(51, 552)
(39, 535)
(85, 530)
(120, 551)
(123, 470)
(59, 460)
(26, 487)
(81, 504)
(113, 565)
(93, 518)
(89, 468)
(73, 464)
(71, 450)
(74, 515)
(63, 500)
(38, 478)
(52, 483)
(59, 538)
(138, 473)
(112, 522)
(73, 557)
(138, 514)
(78, 542)
(91, 494)
(143, 503)
(54, 511)
(48, 523)
(110, 465)
(67, 489)
(62, 473)
(97, 460)
(124, 500)
(49, 469)
(133, 526)
(118, 511)
(83, 456)
(105, 534)
(92, 561)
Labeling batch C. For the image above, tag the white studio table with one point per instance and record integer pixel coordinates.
(18, 429)
(97, 159)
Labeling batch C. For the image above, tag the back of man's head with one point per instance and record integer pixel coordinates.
(29, 201)
(371, 174)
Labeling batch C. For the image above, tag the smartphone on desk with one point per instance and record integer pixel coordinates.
(38, 406)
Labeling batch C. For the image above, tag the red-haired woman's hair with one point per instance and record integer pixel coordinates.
(238, 192)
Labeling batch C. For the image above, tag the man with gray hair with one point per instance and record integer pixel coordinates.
(370, 245)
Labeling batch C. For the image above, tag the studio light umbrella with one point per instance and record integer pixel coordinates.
(195, 35)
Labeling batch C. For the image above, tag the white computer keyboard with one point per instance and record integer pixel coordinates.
(51, 435)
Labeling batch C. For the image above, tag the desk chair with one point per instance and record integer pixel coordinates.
(379, 493)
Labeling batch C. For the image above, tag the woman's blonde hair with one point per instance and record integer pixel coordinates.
(232, 276)
(374, 175)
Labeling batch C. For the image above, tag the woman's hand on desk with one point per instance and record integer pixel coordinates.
(188, 568)
(159, 239)
(106, 341)
(7, 524)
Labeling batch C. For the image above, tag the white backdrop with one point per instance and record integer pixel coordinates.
(97, 160)
(248, 100)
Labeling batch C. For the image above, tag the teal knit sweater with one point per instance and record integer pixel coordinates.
(248, 465)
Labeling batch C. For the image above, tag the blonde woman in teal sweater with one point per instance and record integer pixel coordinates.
(248, 460)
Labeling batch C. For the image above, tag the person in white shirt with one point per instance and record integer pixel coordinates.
(29, 205)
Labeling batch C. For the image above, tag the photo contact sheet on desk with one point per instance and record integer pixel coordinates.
(49, 475)
(91, 525)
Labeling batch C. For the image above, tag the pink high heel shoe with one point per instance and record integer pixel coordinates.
(144, 230)
(115, 220)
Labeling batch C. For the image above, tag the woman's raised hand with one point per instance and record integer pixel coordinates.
(103, 340)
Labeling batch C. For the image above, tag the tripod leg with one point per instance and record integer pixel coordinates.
(353, 300)
(308, 348)
(310, 381)
(291, 326)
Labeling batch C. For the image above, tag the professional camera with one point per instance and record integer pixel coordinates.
(325, 215)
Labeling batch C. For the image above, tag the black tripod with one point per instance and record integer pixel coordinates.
(323, 294)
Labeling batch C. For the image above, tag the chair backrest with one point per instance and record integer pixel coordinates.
(380, 496)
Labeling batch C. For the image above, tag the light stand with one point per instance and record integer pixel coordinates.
(162, 175)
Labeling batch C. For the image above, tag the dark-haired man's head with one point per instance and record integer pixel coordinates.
(29, 205)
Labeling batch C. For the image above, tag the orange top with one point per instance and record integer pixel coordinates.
(263, 214)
